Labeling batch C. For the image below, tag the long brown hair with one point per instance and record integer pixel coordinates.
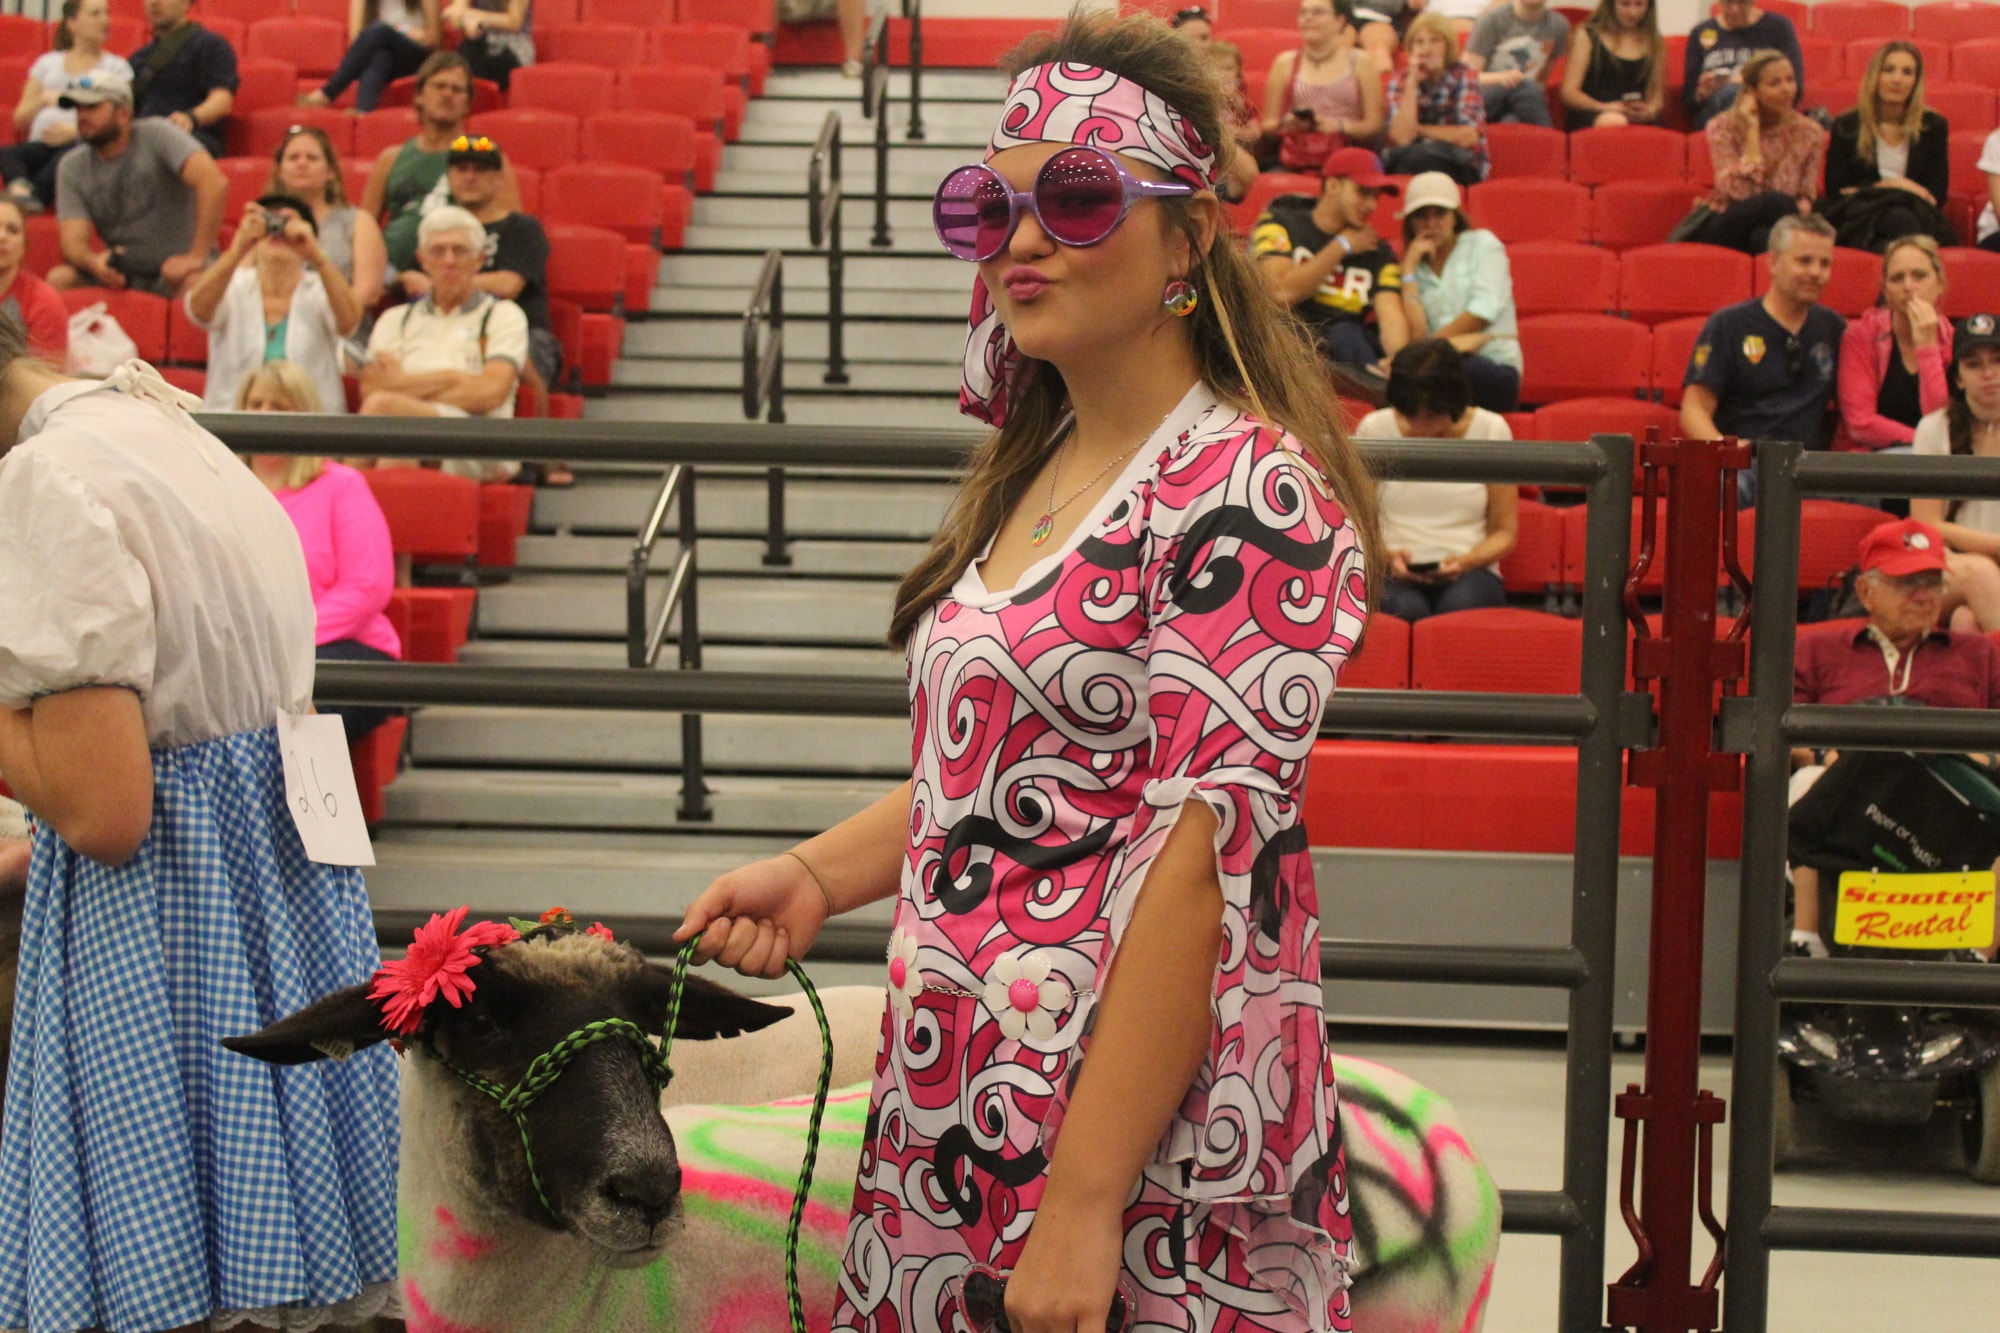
(1250, 350)
(336, 179)
(1604, 22)
(1865, 109)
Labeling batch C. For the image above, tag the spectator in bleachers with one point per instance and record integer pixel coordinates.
(25, 298)
(1719, 47)
(1443, 538)
(455, 352)
(1887, 167)
(186, 75)
(152, 192)
(1893, 358)
(1512, 46)
(289, 303)
(851, 15)
(1246, 125)
(1460, 15)
(387, 40)
(1988, 230)
(408, 180)
(1326, 94)
(306, 166)
(1969, 426)
(345, 537)
(1767, 159)
(493, 36)
(47, 129)
(1617, 70)
(1194, 23)
(517, 250)
(1457, 285)
(1321, 258)
(1764, 369)
(1437, 119)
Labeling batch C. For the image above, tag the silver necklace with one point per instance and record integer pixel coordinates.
(1047, 522)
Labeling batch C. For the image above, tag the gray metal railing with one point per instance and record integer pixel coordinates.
(875, 106)
(644, 638)
(823, 200)
(1769, 724)
(764, 388)
(913, 10)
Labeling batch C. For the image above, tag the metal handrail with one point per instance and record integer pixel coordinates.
(644, 640)
(764, 388)
(875, 106)
(913, 10)
(642, 647)
(823, 200)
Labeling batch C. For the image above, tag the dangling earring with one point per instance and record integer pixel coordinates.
(1180, 298)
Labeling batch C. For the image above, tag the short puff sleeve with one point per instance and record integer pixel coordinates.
(79, 605)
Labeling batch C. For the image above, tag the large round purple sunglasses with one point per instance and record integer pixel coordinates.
(1079, 197)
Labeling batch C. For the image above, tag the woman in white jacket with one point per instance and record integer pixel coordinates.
(289, 304)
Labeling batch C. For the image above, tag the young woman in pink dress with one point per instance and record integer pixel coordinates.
(1103, 1096)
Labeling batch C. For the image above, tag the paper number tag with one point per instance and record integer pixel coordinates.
(320, 792)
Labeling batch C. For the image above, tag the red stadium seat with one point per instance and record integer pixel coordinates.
(544, 140)
(1263, 45)
(1972, 282)
(625, 199)
(247, 177)
(642, 260)
(1580, 418)
(264, 83)
(759, 16)
(504, 509)
(1264, 189)
(694, 91)
(1575, 534)
(22, 38)
(1701, 163)
(384, 127)
(560, 85)
(1977, 62)
(1659, 282)
(1631, 213)
(586, 265)
(128, 34)
(529, 182)
(245, 12)
(1367, 793)
(1383, 662)
(1253, 14)
(1673, 346)
(611, 45)
(187, 343)
(234, 31)
(313, 45)
(1583, 356)
(1857, 53)
(429, 512)
(13, 77)
(1501, 650)
(716, 45)
(1964, 152)
(1629, 152)
(1552, 276)
(1952, 21)
(376, 758)
(142, 315)
(266, 129)
(334, 10)
(1856, 282)
(638, 13)
(1848, 20)
(44, 248)
(1535, 565)
(1830, 533)
(1530, 208)
(653, 140)
(433, 623)
(1960, 103)
(599, 339)
(486, 95)
(1524, 150)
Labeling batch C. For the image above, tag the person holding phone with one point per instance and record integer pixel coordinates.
(1325, 95)
(1443, 538)
(1616, 74)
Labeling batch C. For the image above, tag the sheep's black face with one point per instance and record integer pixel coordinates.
(601, 1149)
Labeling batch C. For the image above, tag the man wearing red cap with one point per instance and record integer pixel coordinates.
(1323, 259)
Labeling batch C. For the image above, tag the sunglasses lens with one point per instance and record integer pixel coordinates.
(972, 213)
(1079, 196)
(982, 1299)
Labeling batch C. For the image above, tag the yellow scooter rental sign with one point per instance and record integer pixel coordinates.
(1951, 910)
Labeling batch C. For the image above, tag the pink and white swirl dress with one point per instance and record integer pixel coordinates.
(1181, 644)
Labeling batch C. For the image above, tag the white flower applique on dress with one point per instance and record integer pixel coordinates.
(1024, 997)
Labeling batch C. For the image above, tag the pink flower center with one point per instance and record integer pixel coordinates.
(1024, 995)
(897, 972)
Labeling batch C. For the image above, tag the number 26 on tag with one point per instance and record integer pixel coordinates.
(320, 792)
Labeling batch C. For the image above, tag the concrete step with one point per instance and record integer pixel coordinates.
(611, 504)
(932, 271)
(717, 405)
(807, 305)
(782, 120)
(792, 161)
(605, 741)
(941, 87)
(737, 210)
(719, 555)
(916, 181)
(791, 805)
(863, 341)
(873, 663)
(791, 235)
(585, 606)
(803, 376)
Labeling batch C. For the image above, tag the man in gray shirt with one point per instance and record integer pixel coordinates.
(1511, 47)
(152, 192)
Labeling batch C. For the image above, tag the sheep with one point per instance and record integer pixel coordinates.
(698, 1246)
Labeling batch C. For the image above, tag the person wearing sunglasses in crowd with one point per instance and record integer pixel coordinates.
(1120, 643)
(408, 180)
(1764, 369)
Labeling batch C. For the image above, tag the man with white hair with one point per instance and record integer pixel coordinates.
(456, 351)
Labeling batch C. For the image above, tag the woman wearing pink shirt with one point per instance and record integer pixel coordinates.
(346, 539)
(1893, 358)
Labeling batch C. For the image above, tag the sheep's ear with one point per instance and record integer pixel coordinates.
(333, 1028)
(708, 1011)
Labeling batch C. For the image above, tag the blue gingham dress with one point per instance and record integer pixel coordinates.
(149, 1178)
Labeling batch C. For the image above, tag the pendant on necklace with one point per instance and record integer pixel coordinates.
(1043, 527)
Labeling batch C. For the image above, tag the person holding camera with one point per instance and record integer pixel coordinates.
(289, 304)
(151, 191)
(1444, 539)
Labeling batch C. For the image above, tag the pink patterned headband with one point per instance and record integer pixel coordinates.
(1094, 108)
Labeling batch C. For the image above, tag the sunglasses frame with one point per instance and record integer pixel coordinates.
(1124, 1305)
(1134, 190)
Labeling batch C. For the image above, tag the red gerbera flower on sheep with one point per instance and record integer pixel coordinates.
(601, 931)
(435, 965)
